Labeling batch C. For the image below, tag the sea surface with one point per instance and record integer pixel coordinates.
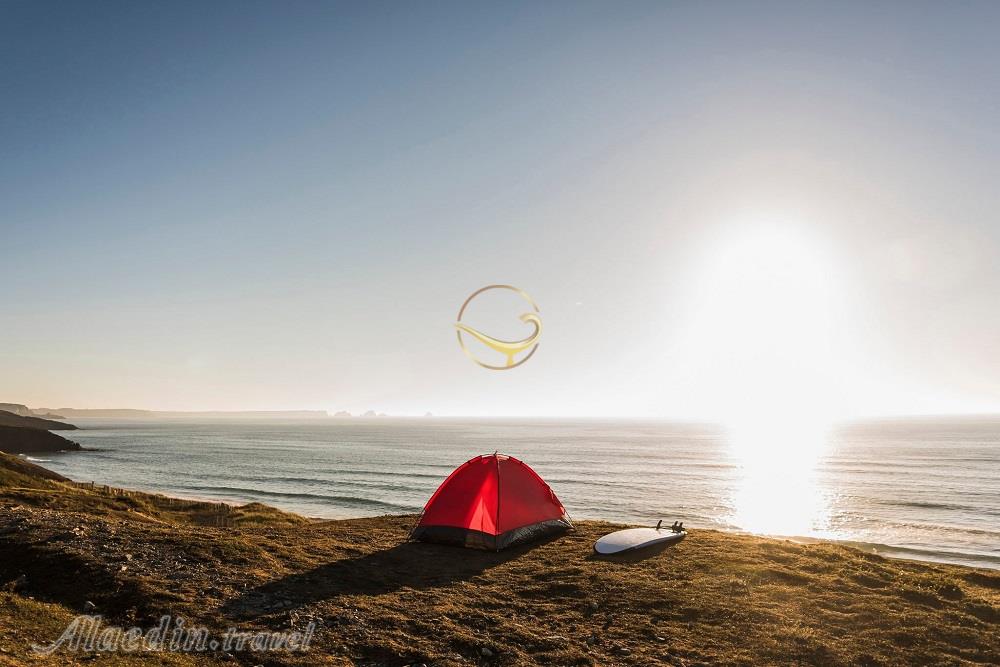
(919, 488)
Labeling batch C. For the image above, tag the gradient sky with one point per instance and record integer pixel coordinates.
(283, 205)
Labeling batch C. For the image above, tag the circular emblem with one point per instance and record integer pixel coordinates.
(508, 348)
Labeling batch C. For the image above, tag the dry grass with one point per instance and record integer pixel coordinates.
(35, 486)
(716, 598)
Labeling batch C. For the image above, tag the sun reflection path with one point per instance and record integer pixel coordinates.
(777, 490)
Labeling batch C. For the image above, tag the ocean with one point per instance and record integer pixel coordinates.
(918, 488)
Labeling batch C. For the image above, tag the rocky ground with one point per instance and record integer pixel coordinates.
(375, 599)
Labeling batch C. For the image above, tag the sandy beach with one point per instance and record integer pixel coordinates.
(374, 599)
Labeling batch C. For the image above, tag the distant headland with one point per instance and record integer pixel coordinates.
(129, 413)
(66, 413)
(22, 434)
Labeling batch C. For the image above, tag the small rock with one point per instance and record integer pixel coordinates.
(487, 653)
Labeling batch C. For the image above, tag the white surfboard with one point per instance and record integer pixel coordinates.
(632, 539)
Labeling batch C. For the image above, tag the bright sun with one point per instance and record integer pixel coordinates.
(764, 328)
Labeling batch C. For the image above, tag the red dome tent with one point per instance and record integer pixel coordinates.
(491, 502)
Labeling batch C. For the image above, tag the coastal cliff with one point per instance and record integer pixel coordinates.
(376, 599)
(8, 418)
(21, 440)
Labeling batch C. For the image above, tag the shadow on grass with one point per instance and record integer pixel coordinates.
(409, 565)
(633, 555)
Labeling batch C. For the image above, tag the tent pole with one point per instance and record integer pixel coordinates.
(496, 543)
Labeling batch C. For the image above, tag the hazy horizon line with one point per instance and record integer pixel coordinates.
(322, 413)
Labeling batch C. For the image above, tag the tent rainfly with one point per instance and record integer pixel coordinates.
(491, 502)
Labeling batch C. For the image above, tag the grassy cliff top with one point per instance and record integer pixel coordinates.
(716, 598)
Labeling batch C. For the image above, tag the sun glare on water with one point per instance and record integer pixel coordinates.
(778, 491)
(766, 340)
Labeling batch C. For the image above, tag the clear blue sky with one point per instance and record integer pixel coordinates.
(282, 205)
